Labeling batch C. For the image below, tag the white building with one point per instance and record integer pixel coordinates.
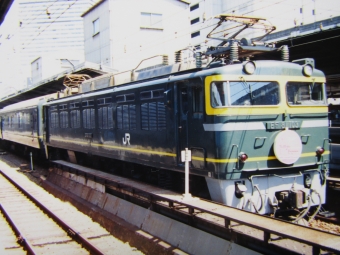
(120, 33)
(33, 29)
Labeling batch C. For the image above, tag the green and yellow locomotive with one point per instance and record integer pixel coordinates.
(257, 129)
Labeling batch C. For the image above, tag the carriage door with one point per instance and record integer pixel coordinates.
(183, 113)
(190, 121)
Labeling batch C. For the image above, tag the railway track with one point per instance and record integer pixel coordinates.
(261, 233)
(243, 230)
(46, 225)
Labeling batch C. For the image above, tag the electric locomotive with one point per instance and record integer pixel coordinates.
(257, 129)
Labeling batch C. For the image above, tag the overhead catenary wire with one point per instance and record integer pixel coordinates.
(69, 6)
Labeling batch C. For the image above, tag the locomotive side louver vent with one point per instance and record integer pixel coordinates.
(126, 117)
(153, 116)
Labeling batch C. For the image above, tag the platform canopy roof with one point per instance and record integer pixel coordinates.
(54, 83)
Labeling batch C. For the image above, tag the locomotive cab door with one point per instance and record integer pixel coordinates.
(190, 121)
(183, 112)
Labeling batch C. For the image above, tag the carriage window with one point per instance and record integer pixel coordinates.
(242, 93)
(54, 120)
(54, 117)
(74, 105)
(145, 95)
(20, 119)
(88, 103)
(62, 106)
(125, 98)
(305, 93)
(64, 119)
(158, 93)
(102, 101)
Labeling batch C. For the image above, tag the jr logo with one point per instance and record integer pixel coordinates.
(126, 139)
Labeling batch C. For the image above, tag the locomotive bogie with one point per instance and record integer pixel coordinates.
(265, 194)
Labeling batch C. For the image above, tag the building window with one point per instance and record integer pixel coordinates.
(194, 7)
(195, 34)
(194, 21)
(151, 21)
(95, 26)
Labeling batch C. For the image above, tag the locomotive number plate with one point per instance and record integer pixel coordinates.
(283, 124)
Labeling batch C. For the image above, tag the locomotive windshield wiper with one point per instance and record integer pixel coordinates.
(247, 87)
(311, 88)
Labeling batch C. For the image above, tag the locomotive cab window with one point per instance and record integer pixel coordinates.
(242, 93)
(305, 93)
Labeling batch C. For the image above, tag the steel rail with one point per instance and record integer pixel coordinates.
(72, 232)
(318, 239)
(21, 239)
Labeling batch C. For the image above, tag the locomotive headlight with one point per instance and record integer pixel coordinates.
(320, 150)
(242, 157)
(307, 70)
(307, 181)
(249, 67)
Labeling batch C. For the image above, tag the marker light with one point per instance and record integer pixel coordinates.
(307, 70)
(320, 150)
(249, 67)
(242, 157)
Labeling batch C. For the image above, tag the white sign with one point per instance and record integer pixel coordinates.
(185, 156)
(288, 147)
